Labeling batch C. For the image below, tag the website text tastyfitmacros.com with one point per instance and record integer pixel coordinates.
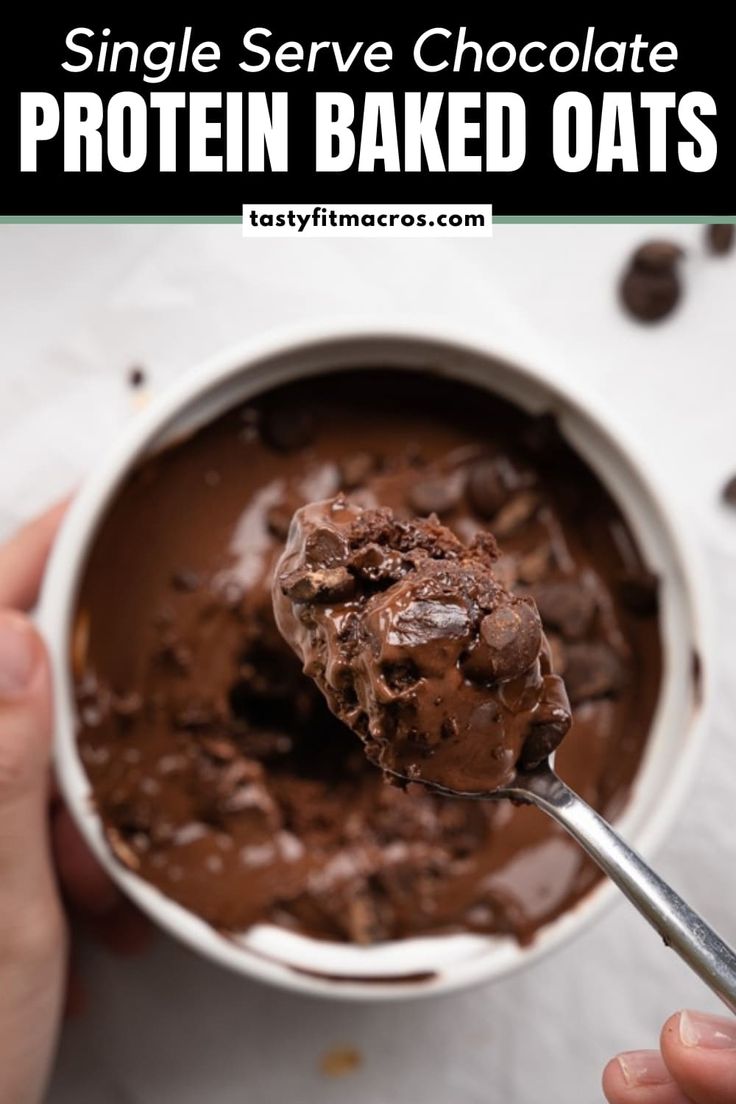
(274, 220)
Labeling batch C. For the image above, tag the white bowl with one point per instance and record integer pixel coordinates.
(420, 966)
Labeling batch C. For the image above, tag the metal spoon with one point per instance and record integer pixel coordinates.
(678, 925)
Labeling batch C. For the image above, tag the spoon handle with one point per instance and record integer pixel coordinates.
(700, 947)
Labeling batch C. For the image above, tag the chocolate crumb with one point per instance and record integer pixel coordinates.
(728, 494)
(136, 378)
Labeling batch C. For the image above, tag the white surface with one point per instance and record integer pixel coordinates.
(79, 305)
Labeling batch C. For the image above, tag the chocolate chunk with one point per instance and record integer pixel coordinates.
(437, 495)
(288, 428)
(719, 236)
(136, 377)
(593, 670)
(510, 638)
(488, 487)
(650, 287)
(355, 470)
(514, 635)
(377, 564)
(331, 584)
(638, 591)
(728, 494)
(325, 547)
(566, 605)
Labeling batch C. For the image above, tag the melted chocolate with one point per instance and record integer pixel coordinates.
(219, 772)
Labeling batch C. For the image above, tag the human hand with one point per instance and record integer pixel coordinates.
(696, 1064)
(33, 827)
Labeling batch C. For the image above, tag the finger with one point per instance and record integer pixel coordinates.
(84, 883)
(700, 1052)
(640, 1077)
(23, 558)
(32, 944)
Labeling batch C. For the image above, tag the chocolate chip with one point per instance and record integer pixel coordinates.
(185, 580)
(288, 429)
(355, 470)
(325, 547)
(437, 495)
(510, 638)
(719, 237)
(136, 377)
(488, 487)
(566, 605)
(728, 494)
(593, 670)
(331, 584)
(377, 564)
(650, 287)
(638, 591)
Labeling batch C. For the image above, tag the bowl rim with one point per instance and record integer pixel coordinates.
(80, 523)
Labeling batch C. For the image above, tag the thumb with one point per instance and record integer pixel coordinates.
(25, 725)
(31, 927)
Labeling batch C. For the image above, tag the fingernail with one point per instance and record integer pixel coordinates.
(710, 1032)
(19, 655)
(643, 1067)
